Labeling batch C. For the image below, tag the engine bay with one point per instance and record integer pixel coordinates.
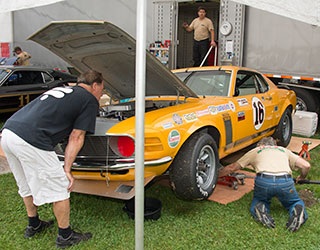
(126, 110)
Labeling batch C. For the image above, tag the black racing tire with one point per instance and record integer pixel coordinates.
(283, 132)
(306, 101)
(194, 171)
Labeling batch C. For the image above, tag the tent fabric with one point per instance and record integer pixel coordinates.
(307, 11)
(13, 5)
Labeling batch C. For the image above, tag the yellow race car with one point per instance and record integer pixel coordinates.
(193, 116)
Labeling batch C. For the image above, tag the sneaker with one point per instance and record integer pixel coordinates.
(296, 219)
(31, 231)
(263, 216)
(74, 238)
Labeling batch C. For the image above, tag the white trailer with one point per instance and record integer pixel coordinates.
(284, 49)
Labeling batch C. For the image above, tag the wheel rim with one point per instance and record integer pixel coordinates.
(286, 127)
(301, 105)
(205, 167)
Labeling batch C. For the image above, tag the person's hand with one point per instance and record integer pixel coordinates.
(185, 25)
(71, 181)
(213, 43)
(299, 178)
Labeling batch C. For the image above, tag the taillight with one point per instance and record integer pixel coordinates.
(125, 146)
(122, 145)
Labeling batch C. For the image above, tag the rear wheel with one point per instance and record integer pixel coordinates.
(194, 171)
(306, 101)
(284, 130)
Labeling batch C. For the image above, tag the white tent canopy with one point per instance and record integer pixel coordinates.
(13, 5)
(307, 11)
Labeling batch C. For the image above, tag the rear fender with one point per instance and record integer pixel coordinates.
(289, 101)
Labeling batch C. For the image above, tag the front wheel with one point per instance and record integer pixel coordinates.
(194, 171)
(284, 130)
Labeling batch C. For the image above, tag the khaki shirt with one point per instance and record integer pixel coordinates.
(201, 28)
(270, 159)
(24, 59)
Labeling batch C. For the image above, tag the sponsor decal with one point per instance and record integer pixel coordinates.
(241, 116)
(223, 107)
(259, 112)
(202, 112)
(167, 125)
(213, 110)
(190, 117)
(173, 138)
(242, 102)
(177, 119)
(232, 107)
(226, 117)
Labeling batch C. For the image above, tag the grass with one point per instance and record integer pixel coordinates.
(183, 224)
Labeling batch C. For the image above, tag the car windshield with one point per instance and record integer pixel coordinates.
(207, 83)
(3, 74)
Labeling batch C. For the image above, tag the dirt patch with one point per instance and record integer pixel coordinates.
(307, 197)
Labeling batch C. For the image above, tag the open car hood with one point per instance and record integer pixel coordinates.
(102, 46)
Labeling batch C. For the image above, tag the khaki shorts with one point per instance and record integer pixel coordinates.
(38, 173)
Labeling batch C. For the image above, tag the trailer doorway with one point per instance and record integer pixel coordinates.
(187, 11)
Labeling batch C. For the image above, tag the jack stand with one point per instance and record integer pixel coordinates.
(304, 153)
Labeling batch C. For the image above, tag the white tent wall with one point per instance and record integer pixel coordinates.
(302, 10)
(13, 5)
(6, 27)
(119, 12)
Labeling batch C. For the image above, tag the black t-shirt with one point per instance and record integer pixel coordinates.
(51, 117)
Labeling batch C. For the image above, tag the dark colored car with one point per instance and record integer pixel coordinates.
(19, 85)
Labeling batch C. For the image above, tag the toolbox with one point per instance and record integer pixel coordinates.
(305, 123)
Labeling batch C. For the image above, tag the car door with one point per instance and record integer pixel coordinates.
(255, 108)
(21, 87)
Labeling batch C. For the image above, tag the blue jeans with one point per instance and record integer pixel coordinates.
(282, 188)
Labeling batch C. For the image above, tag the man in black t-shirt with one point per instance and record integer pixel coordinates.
(28, 140)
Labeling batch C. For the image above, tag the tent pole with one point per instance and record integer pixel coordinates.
(139, 122)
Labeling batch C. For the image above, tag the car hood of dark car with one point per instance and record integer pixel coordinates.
(102, 46)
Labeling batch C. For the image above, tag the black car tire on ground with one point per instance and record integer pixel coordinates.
(306, 101)
(284, 129)
(194, 171)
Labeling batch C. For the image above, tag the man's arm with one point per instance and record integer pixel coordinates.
(19, 60)
(304, 166)
(187, 27)
(230, 169)
(75, 143)
(212, 43)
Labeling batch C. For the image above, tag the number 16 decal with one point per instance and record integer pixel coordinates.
(258, 112)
